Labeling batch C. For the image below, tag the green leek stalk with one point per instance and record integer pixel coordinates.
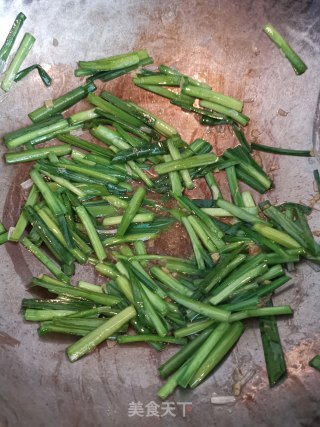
(101, 333)
(21, 54)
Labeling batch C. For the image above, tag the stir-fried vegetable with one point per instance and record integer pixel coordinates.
(100, 202)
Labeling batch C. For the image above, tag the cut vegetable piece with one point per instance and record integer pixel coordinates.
(42, 73)
(315, 362)
(273, 354)
(201, 308)
(62, 103)
(92, 233)
(215, 97)
(297, 64)
(21, 54)
(36, 154)
(232, 335)
(45, 260)
(283, 151)
(202, 353)
(100, 334)
(131, 211)
(11, 38)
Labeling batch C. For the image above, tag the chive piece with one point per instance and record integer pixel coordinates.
(228, 286)
(215, 97)
(45, 260)
(42, 315)
(22, 221)
(260, 312)
(220, 350)
(196, 245)
(276, 235)
(107, 107)
(315, 362)
(106, 76)
(250, 181)
(29, 136)
(85, 145)
(193, 328)
(213, 186)
(90, 286)
(126, 339)
(11, 37)
(174, 178)
(57, 304)
(273, 354)
(21, 54)
(113, 62)
(297, 64)
(173, 72)
(283, 151)
(248, 165)
(317, 179)
(128, 238)
(155, 319)
(238, 212)
(202, 353)
(201, 233)
(107, 270)
(62, 103)
(52, 223)
(175, 154)
(92, 233)
(36, 154)
(100, 334)
(138, 171)
(187, 163)
(209, 226)
(42, 73)
(211, 121)
(229, 112)
(169, 282)
(140, 249)
(89, 171)
(219, 212)
(4, 238)
(131, 211)
(34, 126)
(125, 287)
(159, 90)
(221, 270)
(201, 308)
(172, 382)
(52, 243)
(71, 291)
(263, 241)
(241, 138)
(182, 355)
(160, 80)
(142, 115)
(51, 198)
(2, 229)
(234, 186)
(115, 220)
(83, 116)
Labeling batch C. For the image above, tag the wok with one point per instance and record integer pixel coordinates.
(220, 42)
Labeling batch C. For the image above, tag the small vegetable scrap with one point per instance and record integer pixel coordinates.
(100, 199)
(315, 362)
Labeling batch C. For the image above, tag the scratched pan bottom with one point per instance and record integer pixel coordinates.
(221, 43)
